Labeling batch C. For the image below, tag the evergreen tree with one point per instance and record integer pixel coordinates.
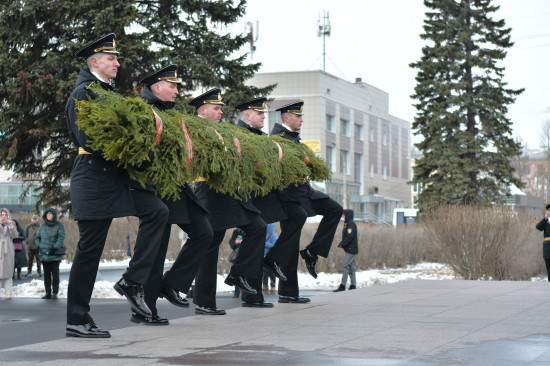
(462, 106)
(38, 68)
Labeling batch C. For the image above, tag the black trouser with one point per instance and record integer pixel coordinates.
(547, 261)
(285, 253)
(93, 233)
(247, 263)
(51, 277)
(332, 213)
(180, 276)
(32, 254)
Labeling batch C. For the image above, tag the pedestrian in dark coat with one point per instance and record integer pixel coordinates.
(32, 250)
(101, 191)
(49, 239)
(544, 226)
(226, 212)
(350, 245)
(160, 91)
(235, 241)
(20, 252)
(303, 200)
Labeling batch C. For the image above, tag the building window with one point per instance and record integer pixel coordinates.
(330, 158)
(10, 194)
(358, 167)
(344, 162)
(330, 123)
(385, 139)
(371, 170)
(358, 132)
(344, 127)
(385, 172)
(272, 118)
(371, 134)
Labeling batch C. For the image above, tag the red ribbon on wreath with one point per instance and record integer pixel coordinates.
(237, 144)
(280, 151)
(189, 144)
(159, 126)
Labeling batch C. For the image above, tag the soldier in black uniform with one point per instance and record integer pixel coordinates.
(271, 207)
(225, 212)
(101, 191)
(161, 90)
(311, 202)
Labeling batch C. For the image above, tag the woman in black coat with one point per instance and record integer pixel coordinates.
(20, 252)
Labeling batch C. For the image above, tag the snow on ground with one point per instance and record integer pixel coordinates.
(324, 281)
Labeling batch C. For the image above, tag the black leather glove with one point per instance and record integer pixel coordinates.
(52, 251)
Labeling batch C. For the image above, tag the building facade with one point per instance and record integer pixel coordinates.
(367, 149)
(12, 189)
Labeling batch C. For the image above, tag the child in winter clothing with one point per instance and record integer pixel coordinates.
(350, 245)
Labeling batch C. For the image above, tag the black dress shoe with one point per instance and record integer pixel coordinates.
(47, 296)
(208, 311)
(240, 282)
(173, 297)
(311, 261)
(149, 320)
(274, 267)
(134, 294)
(262, 304)
(89, 330)
(293, 299)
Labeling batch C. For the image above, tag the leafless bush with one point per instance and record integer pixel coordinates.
(485, 242)
(476, 242)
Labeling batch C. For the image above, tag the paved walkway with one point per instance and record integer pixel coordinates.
(408, 323)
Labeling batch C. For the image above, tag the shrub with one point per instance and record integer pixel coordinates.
(477, 242)
(485, 242)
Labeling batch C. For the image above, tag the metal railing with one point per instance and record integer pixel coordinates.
(372, 218)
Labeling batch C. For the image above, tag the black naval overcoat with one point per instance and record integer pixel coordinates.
(178, 209)
(299, 192)
(270, 205)
(98, 187)
(225, 211)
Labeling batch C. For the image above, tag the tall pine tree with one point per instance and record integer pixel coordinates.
(462, 106)
(38, 68)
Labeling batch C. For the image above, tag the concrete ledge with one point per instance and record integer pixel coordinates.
(408, 323)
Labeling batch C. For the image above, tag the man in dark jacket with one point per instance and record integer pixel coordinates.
(301, 197)
(350, 246)
(101, 191)
(272, 210)
(161, 90)
(32, 250)
(544, 226)
(225, 212)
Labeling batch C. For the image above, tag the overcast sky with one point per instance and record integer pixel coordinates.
(376, 40)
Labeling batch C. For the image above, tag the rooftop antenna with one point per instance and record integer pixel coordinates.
(323, 29)
(252, 37)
